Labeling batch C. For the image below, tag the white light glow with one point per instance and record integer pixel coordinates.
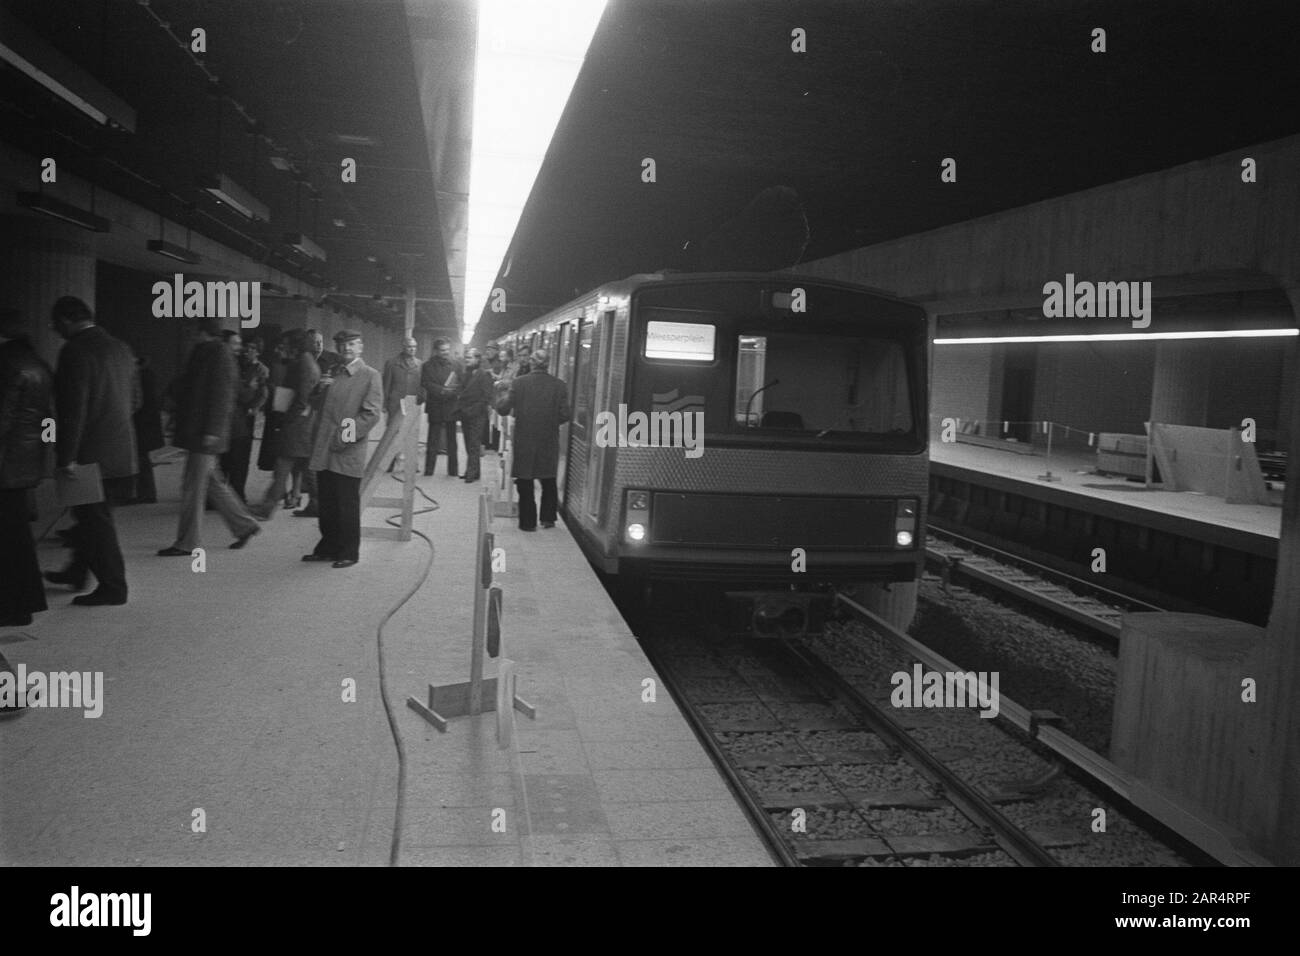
(636, 532)
(529, 53)
(1125, 336)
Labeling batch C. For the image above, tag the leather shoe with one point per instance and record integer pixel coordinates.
(173, 553)
(318, 557)
(243, 538)
(527, 529)
(98, 597)
(548, 524)
(16, 620)
(308, 512)
(76, 581)
(346, 563)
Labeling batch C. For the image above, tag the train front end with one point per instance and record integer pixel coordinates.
(784, 441)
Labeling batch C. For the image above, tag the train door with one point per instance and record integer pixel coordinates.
(599, 458)
(564, 372)
(583, 396)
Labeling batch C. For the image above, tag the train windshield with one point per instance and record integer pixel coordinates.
(821, 384)
(847, 379)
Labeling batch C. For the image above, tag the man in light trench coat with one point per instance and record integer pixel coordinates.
(353, 402)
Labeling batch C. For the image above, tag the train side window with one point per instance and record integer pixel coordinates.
(566, 352)
(585, 392)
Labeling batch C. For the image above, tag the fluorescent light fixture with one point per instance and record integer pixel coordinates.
(225, 190)
(1123, 336)
(173, 251)
(56, 209)
(29, 54)
(305, 245)
(528, 57)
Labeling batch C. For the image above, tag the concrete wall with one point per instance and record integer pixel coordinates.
(960, 383)
(1096, 387)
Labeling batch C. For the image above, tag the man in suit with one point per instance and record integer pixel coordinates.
(401, 378)
(354, 398)
(472, 408)
(26, 402)
(97, 391)
(540, 403)
(442, 379)
(205, 402)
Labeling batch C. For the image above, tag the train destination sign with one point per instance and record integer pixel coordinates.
(685, 341)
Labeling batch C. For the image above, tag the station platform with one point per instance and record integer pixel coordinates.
(1248, 527)
(226, 737)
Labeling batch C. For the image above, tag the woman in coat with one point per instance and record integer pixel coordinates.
(296, 431)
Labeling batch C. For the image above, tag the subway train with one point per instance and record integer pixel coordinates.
(768, 431)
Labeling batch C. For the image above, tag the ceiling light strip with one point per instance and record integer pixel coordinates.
(1121, 336)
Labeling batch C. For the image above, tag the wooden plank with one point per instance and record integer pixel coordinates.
(923, 844)
(840, 849)
(431, 716)
(798, 758)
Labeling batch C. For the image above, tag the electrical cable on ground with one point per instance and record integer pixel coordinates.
(396, 846)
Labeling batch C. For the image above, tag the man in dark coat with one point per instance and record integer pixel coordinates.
(472, 409)
(326, 362)
(442, 379)
(540, 403)
(97, 391)
(250, 394)
(401, 378)
(26, 408)
(205, 398)
(353, 399)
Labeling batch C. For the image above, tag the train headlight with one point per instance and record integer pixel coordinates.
(636, 524)
(905, 520)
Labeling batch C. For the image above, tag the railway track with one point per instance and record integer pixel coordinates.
(1093, 607)
(828, 775)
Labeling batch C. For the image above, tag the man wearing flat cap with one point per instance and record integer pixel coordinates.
(540, 403)
(354, 399)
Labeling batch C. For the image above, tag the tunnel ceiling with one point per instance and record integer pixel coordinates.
(326, 79)
(857, 125)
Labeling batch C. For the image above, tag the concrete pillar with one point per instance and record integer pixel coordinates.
(44, 260)
(1180, 390)
(1280, 675)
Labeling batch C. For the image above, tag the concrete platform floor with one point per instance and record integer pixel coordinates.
(1075, 470)
(224, 700)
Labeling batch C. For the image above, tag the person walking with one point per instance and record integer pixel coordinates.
(401, 378)
(472, 408)
(205, 398)
(97, 390)
(354, 398)
(296, 428)
(251, 389)
(442, 379)
(26, 407)
(540, 403)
